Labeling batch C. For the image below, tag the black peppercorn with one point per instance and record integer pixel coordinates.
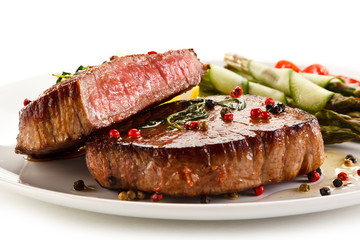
(319, 171)
(274, 109)
(282, 106)
(112, 181)
(325, 191)
(269, 107)
(113, 58)
(209, 104)
(204, 199)
(337, 182)
(79, 185)
(351, 158)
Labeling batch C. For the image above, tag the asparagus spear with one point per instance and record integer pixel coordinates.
(343, 104)
(354, 114)
(343, 88)
(335, 134)
(329, 117)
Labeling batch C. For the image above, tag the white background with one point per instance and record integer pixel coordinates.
(38, 37)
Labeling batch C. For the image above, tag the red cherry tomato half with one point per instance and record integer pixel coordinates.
(317, 69)
(349, 80)
(287, 64)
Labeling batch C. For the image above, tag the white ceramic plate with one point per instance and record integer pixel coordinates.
(52, 181)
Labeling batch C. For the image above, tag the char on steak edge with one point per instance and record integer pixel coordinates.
(63, 116)
(227, 157)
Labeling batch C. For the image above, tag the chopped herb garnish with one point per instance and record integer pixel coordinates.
(66, 75)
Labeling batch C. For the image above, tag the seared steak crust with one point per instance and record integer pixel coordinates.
(102, 96)
(227, 157)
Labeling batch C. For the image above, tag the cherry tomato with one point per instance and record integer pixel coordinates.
(317, 69)
(287, 64)
(349, 80)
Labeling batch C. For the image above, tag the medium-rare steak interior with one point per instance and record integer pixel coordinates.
(64, 115)
(219, 155)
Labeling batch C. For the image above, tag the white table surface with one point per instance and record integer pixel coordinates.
(51, 36)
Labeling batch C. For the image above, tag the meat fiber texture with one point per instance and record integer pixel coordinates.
(64, 115)
(226, 157)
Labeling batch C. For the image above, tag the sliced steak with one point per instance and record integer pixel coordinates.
(101, 96)
(227, 157)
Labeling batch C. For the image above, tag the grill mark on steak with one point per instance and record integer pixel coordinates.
(102, 96)
(242, 154)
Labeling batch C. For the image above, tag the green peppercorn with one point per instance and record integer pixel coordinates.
(203, 125)
(305, 187)
(224, 111)
(123, 196)
(131, 195)
(348, 162)
(140, 195)
(232, 196)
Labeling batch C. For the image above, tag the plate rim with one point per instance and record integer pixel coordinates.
(186, 211)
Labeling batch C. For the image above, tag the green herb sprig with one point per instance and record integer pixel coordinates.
(193, 112)
(66, 75)
(198, 111)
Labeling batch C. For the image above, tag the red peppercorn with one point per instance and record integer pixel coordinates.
(152, 52)
(255, 112)
(26, 101)
(187, 125)
(237, 92)
(194, 125)
(269, 100)
(228, 117)
(134, 133)
(313, 176)
(259, 190)
(113, 133)
(156, 197)
(358, 171)
(264, 114)
(343, 176)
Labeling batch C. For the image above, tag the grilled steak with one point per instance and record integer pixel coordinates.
(101, 96)
(227, 157)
